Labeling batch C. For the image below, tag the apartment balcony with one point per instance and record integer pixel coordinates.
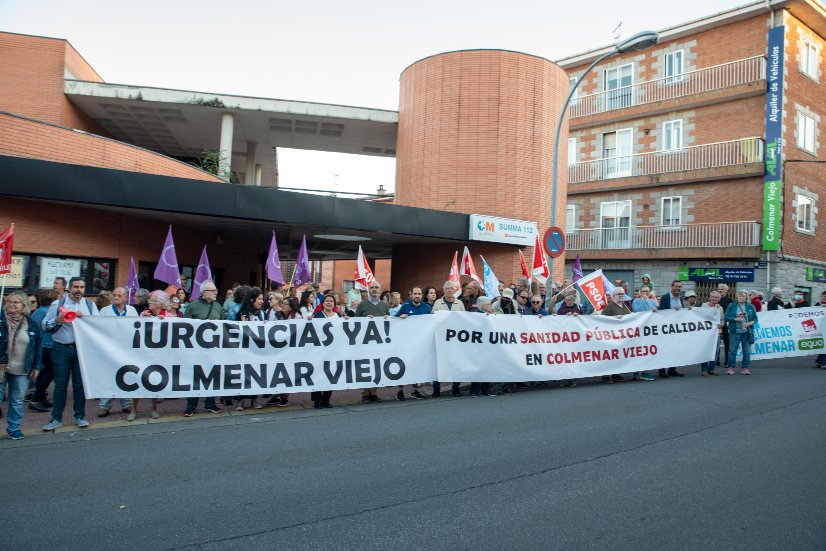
(741, 78)
(721, 160)
(709, 240)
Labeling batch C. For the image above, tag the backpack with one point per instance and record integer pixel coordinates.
(60, 304)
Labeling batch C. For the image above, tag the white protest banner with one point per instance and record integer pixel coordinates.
(474, 347)
(785, 333)
(176, 357)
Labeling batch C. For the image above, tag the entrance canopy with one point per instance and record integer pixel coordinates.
(334, 227)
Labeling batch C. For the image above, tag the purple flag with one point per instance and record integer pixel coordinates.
(273, 267)
(577, 269)
(167, 270)
(302, 265)
(202, 273)
(132, 283)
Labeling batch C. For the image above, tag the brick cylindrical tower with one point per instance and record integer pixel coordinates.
(476, 134)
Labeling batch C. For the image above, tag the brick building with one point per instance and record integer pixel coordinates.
(670, 153)
(668, 157)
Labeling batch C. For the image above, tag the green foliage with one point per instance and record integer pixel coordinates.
(211, 162)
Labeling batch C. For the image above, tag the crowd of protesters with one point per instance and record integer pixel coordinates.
(37, 342)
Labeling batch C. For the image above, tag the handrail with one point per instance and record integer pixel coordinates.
(678, 236)
(724, 75)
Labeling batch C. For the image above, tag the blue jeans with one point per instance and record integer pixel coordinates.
(17, 385)
(192, 403)
(709, 366)
(736, 340)
(106, 403)
(65, 364)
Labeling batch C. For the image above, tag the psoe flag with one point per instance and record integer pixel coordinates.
(468, 268)
(364, 275)
(593, 285)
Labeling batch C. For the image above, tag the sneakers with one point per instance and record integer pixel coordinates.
(131, 417)
(16, 435)
(240, 406)
(648, 377)
(214, 409)
(52, 425)
(730, 371)
(745, 371)
(416, 395)
(103, 412)
(189, 412)
(154, 414)
(256, 405)
(283, 402)
(38, 406)
(81, 422)
(400, 396)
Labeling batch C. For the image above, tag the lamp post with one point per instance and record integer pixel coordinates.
(638, 42)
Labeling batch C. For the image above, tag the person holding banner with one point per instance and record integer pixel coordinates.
(672, 301)
(205, 308)
(158, 308)
(447, 303)
(251, 310)
(569, 307)
(740, 317)
(821, 358)
(714, 302)
(20, 354)
(617, 307)
(369, 308)
(58, 322)
(644, 303)
(321, 399)
(118, 309)
(413, 307)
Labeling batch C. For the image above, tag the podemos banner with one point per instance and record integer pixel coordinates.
(175, 357)
(792, 332)
(514, 348)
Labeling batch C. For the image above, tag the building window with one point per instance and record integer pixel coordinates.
(616, 153)
(619, 82)
(809, 59)
(571, 151)
(615, 224)
(670, 211)
(805, 213)
(572, 83)
(672, 135)
(570, 218)
(674, 67)
(35, 271)
(806, 133)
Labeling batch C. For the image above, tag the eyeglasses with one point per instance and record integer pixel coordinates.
(536, 302)
(524, 296)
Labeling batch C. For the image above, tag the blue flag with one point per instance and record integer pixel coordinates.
(491, 282)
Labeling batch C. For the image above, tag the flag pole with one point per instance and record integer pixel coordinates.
(3, 290)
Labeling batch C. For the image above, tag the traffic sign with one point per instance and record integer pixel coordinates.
(554, 241)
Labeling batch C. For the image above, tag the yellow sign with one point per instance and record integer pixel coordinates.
(15, 277)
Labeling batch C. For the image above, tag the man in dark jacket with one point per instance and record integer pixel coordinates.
(672, 301)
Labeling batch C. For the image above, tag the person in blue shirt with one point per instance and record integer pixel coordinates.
(536, 308)
(413, 307)
(644, 303)
(740, 316)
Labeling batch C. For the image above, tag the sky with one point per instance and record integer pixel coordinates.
(342, 52)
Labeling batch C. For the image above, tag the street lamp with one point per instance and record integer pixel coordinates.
(638, 42)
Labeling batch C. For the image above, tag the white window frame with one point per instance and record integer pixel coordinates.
(620, 164)
(570, 218)
(571, 83)
(623, 95)
(571, 151)
(670, 204)
(804, 217)
(670, 60)
(809, 58)
(672, 135)
(603, 206)
(806, 132)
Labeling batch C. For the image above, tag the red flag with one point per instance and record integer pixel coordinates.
(363, 275)
(468, 268)
(454, 270)
(540, 263)
(524, 264)
(593, 285)
(6, 244)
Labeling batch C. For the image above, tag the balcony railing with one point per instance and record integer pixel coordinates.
(682, 236)
(734, 73)
(713, 155)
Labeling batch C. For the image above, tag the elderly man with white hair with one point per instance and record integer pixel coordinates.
(447, 303)
(118, 309)
(776, 302)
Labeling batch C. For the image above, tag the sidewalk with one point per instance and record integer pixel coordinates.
(172, 410)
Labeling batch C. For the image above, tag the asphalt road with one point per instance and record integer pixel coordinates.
(695, 463)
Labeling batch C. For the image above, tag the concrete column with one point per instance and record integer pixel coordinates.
(257, 175)
(227, 127)
(249, 178)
